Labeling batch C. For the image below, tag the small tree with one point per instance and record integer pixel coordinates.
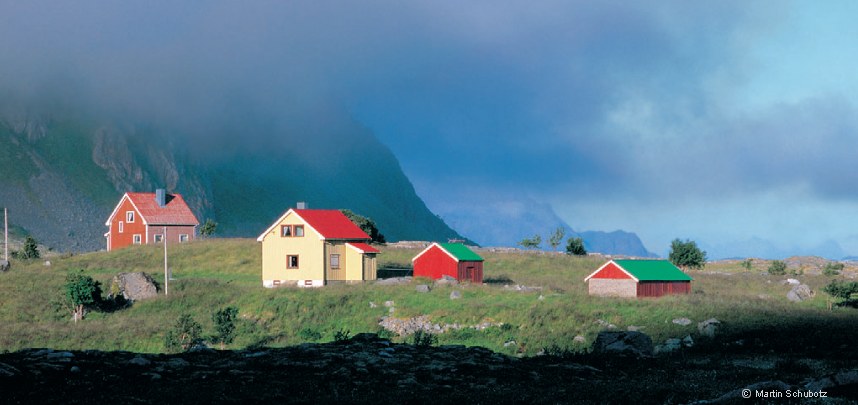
(842, 290)
(777, 268)
(531, 243)
(832, 268)
(81, 291)
(747, 264)
(224, 322)
(31, 249)
(208, 229)
(686, 254)
(575, 246)
(556, 237)
(184, 335)
(366, 224)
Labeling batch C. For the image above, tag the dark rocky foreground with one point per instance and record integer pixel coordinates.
(367, 369)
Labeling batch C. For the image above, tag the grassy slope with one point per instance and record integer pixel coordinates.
(217, 273)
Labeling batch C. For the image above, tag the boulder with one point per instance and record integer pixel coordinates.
(134, 286)
(5, 265)
(670, 345)
(422, 288)
(625, 343)
(708, 327)
(455, 294)
(446, 280)
(47, 263)
(682, 321)
(800, 293)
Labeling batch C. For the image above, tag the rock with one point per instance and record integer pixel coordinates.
(541, 297)
(849, 377)
(139, 361)
(455, 294)
(792, 281)
(708, 327)
(626, 343)
(388, 303)
(47, 263)
(682, 321)
(74, 369)
(509, 343)
(579, 339)
(8, 371)
(736, 396)
(422, 288)
(5, 265)
(669, 346)
(688, 341)
(394, 280)
(800, 293)
(373, 305)
(446, 280)
(633, 328)
(134, 286)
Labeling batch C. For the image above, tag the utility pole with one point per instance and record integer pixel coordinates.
(166, 276)
(5, 234)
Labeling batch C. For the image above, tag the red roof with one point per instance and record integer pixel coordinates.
(363, 247)
(174, 212)
(331, 224)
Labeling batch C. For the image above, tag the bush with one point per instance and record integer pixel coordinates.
(842, 289)
(746, 264)
(309, 334)
(832, 268)
(184, 335)
(424, 339)
(30, 251)
(575, 246)
(81, 291)
(687, 254)
(777, 268)
(224, 322)
(342, 335)
(208, 228)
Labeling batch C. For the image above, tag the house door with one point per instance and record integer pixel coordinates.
(369, 267)
(335, 263)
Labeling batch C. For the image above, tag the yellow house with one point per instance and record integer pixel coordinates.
(311, 248)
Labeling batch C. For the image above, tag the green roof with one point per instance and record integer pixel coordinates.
(461, 252)
(653, 270)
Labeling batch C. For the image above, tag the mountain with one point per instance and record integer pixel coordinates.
(64, 170)
(761, 248)
(507, 222)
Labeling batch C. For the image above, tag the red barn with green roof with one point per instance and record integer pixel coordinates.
(638, 278)
(449, 259)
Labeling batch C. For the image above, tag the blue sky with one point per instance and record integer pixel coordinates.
(733, 123)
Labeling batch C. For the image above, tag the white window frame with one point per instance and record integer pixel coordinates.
(337, 265)
(129, 216)
(184, 238)
(289, 262)
(137, 238)
(121, 227)
(158, 238)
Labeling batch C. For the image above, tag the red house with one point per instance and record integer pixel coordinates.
(143, 218)
(449, 259)
(638, 278)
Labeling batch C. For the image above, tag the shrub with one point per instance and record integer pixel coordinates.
(184, 335)
(687, 254)
(81, 291)
(747, 264)
(224, 322)
(832, 268)
(309, 334)
(842, 289)
(208, 228)
(777, 268)
(342, 335)
(575, 246)
(30, 250)
(424, 339)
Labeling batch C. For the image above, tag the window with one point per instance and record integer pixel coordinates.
(121, 226)
(129, 216)
(291, 230)
(159, 238)
(137, 239)
(292, 262)
(183, 238)
(335, 261)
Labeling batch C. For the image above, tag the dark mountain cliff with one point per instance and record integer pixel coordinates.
(63, 173)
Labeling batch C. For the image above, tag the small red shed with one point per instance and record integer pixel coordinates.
(449, 259)
(638, 278)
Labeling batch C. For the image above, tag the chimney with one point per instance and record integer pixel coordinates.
(161, 197)
(302, 205)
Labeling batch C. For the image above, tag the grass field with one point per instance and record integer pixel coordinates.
(212, 274)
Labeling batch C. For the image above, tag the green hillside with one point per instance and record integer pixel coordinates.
(63, 174)
(214, 274)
